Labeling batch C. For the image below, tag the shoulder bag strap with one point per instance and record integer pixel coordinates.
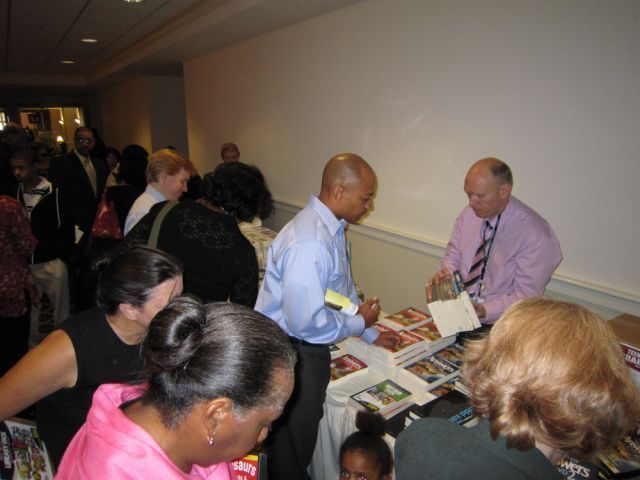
(157, 223)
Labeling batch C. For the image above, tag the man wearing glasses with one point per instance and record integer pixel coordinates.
(82, 178)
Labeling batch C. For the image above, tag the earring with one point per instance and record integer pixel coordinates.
(210, 439)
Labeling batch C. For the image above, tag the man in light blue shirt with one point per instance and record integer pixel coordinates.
(168, 173)
(308, 257)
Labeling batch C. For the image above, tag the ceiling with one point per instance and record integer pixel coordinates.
(153, 37)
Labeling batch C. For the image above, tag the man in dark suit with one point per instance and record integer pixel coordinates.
(82, 178)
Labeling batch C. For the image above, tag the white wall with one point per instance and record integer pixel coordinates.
(421, 89)
(148, 111)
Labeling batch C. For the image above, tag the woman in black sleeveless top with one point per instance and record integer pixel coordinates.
(100, 345)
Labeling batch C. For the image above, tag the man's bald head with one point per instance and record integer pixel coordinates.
(348, 186)
(498, 169)
(344, 169)
(488, 186)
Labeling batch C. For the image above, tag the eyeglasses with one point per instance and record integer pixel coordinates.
(85, 141)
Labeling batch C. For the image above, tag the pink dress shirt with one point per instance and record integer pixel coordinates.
(524, 254)
(111, 446)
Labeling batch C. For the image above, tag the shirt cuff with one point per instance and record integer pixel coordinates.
(355, 326)
(370, 335)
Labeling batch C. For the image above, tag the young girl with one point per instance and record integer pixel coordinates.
(365, 455)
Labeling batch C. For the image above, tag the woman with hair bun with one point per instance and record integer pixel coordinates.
(549, 380)
(365, 454)
(218, 375)
(96, 346)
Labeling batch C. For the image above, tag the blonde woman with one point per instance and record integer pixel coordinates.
(548, 380)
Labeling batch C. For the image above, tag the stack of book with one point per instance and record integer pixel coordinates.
(453, 354)
(357, 347)
(419, 338)
(386, 398)
(461, 386)
(410, 348)
(420, 324)
(451, 405)
(345, 368)
(426, 374)
(451, 307)
(441, 390)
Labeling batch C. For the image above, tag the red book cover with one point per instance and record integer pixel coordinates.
(407, 339)
(345, 365)
(251, 467)
(407, 319)
(631, 356)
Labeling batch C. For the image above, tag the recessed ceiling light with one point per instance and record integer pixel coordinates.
(68, 62)
(89, 40)
(133, 1)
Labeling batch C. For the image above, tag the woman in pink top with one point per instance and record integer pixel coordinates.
(218, 376)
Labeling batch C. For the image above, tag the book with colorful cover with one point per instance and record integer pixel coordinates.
(454, 354)
(443, 389)
(632, 358)
(346, 366)
(435, 341)
(251, 467)
(623, 460)
(406, 319)
(385, 398)
(24, 455)
(408, 342)
(429, 331)
(410, 349)
(427, 374)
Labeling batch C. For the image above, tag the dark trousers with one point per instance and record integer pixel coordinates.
(82, 279)
(292, 441)
(14, 340)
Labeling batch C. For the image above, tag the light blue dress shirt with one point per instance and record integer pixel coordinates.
(307, 257)
(141, 207)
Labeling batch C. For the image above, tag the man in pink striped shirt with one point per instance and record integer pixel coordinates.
(503, 249)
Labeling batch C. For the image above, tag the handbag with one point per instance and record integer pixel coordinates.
(106, 224)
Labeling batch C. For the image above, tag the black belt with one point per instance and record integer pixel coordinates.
(297, 341)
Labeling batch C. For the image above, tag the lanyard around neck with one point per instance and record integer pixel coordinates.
(488, 244)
